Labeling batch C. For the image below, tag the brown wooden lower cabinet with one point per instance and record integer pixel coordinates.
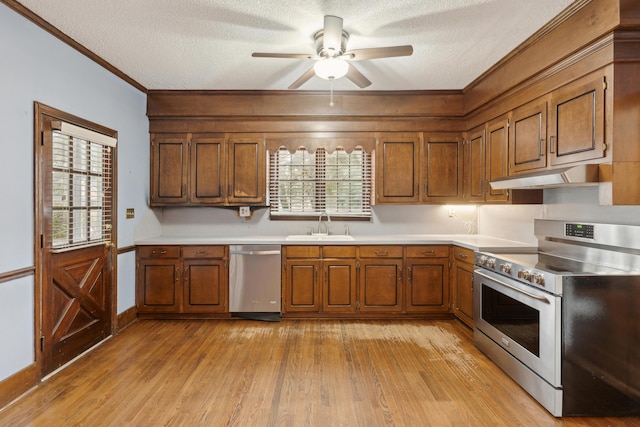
(174, 280)
(427, 279)
(462, 284)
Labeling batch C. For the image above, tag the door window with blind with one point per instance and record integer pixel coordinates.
(305, 184)
(82, 186)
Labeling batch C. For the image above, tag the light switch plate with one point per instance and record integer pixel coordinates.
(245, 211)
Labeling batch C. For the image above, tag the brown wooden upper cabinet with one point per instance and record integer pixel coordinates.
(577, 121)
(528, 137)
(398, 168)
(442, 168)
(474, 165)
(208, 170)
(247, 170)
(410, 171)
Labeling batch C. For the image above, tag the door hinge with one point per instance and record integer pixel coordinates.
(450, 264)
(358, 265)
(604, 83)
(357, 305)
(284, 266)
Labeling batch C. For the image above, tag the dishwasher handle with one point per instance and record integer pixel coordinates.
(276, 252)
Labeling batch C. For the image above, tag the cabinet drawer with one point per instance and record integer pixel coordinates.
(427, 251)
(463, 254)
(302, 251)
(159, 251)
(203, 251)
(339, 252)
(381, 251)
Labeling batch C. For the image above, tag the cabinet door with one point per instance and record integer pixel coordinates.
(380, 285)
(169, 165)
(427, 285)
(528, 137)
(576, 121)
(247, 170)
(301, 290)
(207, 170)
(474, 166)
(497, 160)
(205, 285)
(397, 169)
(158, 285)
(442, 171)
(339, 286)
(462, 284)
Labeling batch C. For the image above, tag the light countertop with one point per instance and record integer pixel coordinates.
(471, 241)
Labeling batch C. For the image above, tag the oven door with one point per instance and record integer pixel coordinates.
(521, 319)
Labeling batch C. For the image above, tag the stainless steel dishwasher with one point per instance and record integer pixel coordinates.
(254, 281)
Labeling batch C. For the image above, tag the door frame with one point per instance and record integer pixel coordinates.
(41, 110)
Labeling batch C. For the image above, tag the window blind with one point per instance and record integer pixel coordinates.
(305, 184)
(81, 192)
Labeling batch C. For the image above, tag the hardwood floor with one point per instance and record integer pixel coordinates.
(292, 373)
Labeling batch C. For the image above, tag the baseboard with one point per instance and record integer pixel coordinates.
(125, 319)
(17, 384)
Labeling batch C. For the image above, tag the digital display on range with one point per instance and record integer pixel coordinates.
(579, 230)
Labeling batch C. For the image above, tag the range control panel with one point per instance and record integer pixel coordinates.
(579, 230)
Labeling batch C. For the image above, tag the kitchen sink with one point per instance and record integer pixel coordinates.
(320, 237)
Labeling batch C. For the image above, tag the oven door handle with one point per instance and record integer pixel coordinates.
(530, 295)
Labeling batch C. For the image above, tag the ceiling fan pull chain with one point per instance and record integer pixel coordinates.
(331, 104)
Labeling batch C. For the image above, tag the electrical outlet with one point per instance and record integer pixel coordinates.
(452, 213)
(245, 211)
(130, 213)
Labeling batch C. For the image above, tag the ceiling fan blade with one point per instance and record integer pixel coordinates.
(283, 55)
(332, 37)
(378, 52)
(357, 77)
(303, 79)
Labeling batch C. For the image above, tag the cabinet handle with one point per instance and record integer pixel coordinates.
(202, 253)
(177, 274)
(186, 274)
(381, 253)
(552, 144)
(161, 252)
(541, 147)
(463, 256)
(428, 253)
(409, 274)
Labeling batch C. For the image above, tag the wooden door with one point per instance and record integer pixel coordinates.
(462, 284)
(207, 178)
(474, 166)
(381, 285)
(442, 171)
(497, 161)
(398, 169)
(576, 121)
(301, 286)
(169, 169)
(158, 285)
(339, 286)
(75, 192)
(528, 137)
(204, 286)
(427, 279)
(246, 170)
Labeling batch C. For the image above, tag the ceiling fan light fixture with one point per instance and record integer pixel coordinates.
(331, 68)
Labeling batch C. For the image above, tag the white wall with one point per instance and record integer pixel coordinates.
(35, 66)
(386, 220)
(575, 204)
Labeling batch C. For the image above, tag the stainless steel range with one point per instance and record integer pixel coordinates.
(565, 322)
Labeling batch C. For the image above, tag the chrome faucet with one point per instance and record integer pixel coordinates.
(326, 225)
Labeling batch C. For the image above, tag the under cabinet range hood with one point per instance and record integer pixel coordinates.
(581, 175)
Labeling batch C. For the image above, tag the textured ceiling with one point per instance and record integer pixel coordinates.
(207, 44)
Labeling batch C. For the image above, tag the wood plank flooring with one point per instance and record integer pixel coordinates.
(292, 373)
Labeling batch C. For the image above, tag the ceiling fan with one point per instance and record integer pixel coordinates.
(333, 59)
